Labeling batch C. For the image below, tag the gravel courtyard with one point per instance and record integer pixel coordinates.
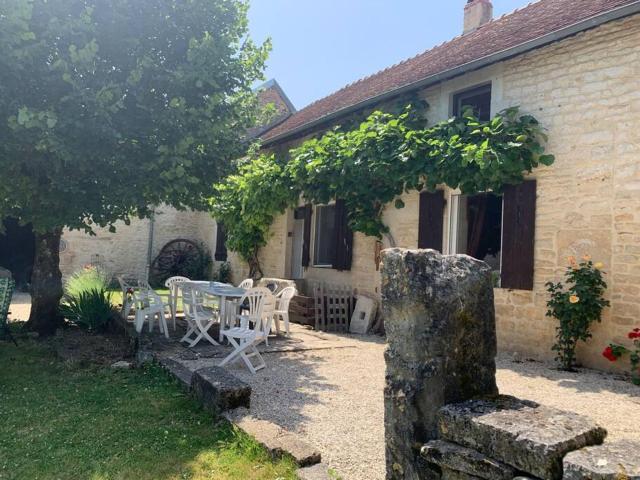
(334, 397)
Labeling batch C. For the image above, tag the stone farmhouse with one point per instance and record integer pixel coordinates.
(574, 65)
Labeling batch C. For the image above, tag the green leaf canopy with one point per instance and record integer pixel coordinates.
(109, 106)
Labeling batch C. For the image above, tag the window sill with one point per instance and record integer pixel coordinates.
(322, 266)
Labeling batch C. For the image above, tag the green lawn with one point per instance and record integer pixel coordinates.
(59, 421)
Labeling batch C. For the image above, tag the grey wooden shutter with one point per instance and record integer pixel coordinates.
(221, 240)
(518, 234)
(306, 237)
(430, 220)
(344, 238)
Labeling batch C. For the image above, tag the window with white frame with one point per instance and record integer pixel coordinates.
(476, 227)
(325, 236)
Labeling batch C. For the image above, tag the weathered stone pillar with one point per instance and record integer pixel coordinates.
(440, 323)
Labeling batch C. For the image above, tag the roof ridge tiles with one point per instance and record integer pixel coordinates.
(525, 25)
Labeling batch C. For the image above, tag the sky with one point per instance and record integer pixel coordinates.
(319, 46)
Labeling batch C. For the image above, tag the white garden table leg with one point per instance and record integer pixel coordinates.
(223, 316)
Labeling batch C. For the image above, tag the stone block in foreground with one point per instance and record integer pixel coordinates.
(611, 461)
(530, 437)
(440, 325)
(218, 390)
(464, 461)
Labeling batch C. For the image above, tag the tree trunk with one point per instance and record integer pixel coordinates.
(46, 284)
(255, 270)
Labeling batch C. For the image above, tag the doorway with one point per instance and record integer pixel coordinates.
(17, 251)
(297, 242)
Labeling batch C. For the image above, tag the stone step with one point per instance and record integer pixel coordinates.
(181, 373)
(531, 438)
(276, 439)
(450, 456)
(319, 471)
(219, 391)
(611, 461)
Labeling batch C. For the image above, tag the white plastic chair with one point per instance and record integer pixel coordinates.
(149, 305)
(173, 284)
(282, 308)
(244, 338)
(128, 287)
(199, 318)
(231, 307)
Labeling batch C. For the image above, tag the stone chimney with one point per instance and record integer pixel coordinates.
(476, 14)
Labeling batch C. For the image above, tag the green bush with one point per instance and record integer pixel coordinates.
(91, 310)
(85, 280)
(576, 304)
(87, 300)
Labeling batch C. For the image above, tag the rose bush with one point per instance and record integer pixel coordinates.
(614, 351)
(576, 304)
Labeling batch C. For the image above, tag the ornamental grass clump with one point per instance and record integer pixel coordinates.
(87, 301)
(615, 351)
(576, 304)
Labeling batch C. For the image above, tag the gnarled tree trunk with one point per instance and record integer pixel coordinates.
(46, 284)
(255, 269)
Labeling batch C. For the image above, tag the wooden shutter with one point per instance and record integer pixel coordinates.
(430, 220)
(344, 238)
(306, 237)
(518, 233)
(221, 240)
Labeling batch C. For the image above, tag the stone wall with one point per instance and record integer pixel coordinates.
(584, 91)
(125, 252)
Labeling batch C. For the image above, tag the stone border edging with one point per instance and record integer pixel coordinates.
(222, 393)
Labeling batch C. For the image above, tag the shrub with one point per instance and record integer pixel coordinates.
(224, 273)
(88, 278)
(576, 304)
(614, 351)
(87, 301)
(91, 310)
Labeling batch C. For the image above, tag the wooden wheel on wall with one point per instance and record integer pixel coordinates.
(178, 257)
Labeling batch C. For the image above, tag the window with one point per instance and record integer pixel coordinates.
(476, 227)
(479, 98)
(325, 236)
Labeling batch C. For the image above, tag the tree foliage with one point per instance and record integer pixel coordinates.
(108, 107)
(371, 165)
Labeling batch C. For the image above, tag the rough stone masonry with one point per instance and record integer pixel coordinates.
(440, 324)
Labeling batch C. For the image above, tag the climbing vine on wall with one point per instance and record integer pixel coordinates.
(371, 165)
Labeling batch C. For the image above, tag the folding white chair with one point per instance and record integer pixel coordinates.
(199, 318)
(282, 308)
(247, 283)
(173, 284)
(149, 305)
(244, 338)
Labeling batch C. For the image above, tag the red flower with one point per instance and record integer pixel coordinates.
(609, 355)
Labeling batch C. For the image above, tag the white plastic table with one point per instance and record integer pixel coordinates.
(223, 291)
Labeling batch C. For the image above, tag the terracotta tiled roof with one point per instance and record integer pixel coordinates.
(527, 24)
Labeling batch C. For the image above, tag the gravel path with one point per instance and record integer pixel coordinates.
(334, 398)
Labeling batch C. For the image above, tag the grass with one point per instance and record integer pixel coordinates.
(60, 421)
